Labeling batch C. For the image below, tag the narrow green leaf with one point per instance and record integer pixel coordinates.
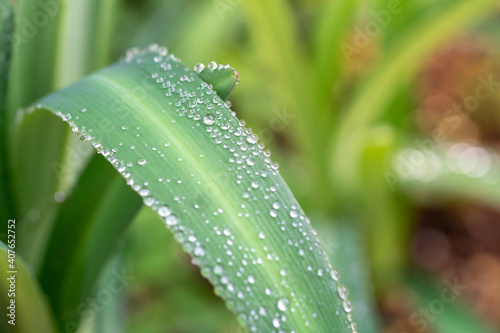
(277, 44)
(32, 75)
(49, 56)
(180, 147)
(32, 313)
(332, 26)
(6, 27)
(35, 166)
(88, 225)
(110, 318)
(385, 215)
(155, 259)
(342, 241)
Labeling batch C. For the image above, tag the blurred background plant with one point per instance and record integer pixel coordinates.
(383, 116)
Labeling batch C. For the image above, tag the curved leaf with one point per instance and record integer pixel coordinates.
(90, 226)
(184, 151)
(87, 228)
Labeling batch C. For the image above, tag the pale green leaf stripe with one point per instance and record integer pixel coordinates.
(180, 146)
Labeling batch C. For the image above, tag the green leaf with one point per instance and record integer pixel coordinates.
(342, 242)
(6, 26)
(184, 151)
(110, 319)
(442, 309)
(157, 261)
(385, 215)
(32, 75)
(32, 313)
(49, 56)
(334, 21)
(35, 175)
(222, 77)
(88, 225)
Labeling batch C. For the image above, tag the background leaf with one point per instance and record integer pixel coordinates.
(32, 312)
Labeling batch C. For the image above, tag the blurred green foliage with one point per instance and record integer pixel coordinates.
(344, 91)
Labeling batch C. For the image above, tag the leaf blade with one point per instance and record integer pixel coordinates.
(241, 249)
(85, 227)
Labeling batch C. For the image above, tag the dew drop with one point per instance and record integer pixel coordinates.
(164, 211)
(149, 201)
(262, 311)
(218, 270)
(141, 161)
(282, 304)
(252, 138)
(347, 306)
(171, 220)
(198, 68)
(212, 65)
(209, 119)
(343, 292)
(199, 251)
(334, 274)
